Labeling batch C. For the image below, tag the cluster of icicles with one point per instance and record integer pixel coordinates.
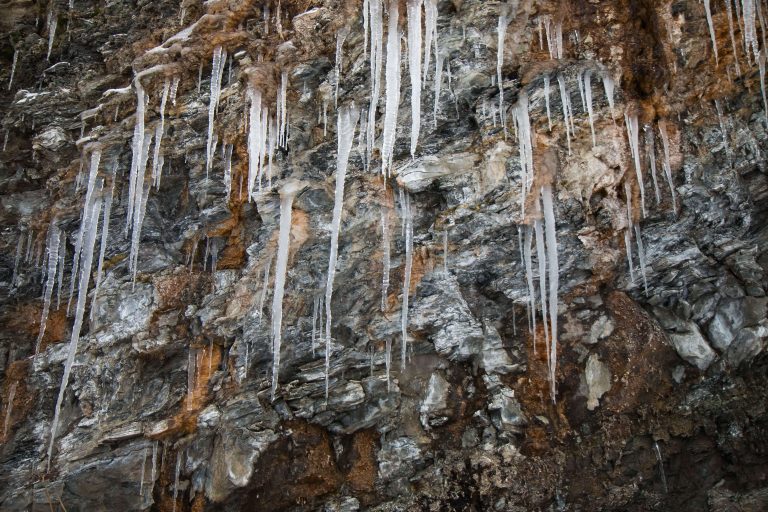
(268, 131)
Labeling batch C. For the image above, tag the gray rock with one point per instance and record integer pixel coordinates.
(692, 347)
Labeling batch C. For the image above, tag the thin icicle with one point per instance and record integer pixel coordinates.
(92, 218)
(761, 67)
(538, 229)
(650, 153)
(393, 88)
(501, 31)
(282, 112)
(143, 470)
(137, 150)
(633, 135)
(157, 159)
(554, 282)
(445, 251)
(347, 121)
(546, 100)
(408, 218)
(228, 170)
(264, 290)
(588, 99)
(17, 260)
(9, 410)
(666, 164)
(60, 271)
(287, 193)
(438, 82)
(254, 141)
(176, 474)
(567, 115)
(377, 50)
(153, 474)
(85, 222)
(52, 24)
(385, 247)
(54, 239)
(527, 243)
(430, 33)
(13, 67)
(365, 28)
(729, 10)
(628, 231)
(522, 125)
(641, 255)
(609, 85)
(711, 28)
(414, 68)
(217, 71)
(140, 205)
(723, 133)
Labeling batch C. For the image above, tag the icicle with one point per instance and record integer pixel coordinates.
(254, 140)
(650, 153)
(761, 67)
(54, 239)
(528, 239)
(17, 260)
(554, 282)
(13, 67)
(347, 120)
(217, 71)
(408, 218)
(153, 474)
(9, 410)
(325, 118)
(388, 360)
(628, 231)
(157, 160)
(641, 256)
(365, 28)
(199, 77)
(140, 206)
(52, 23)
(538, 230)
(386, 256)
(137, 150)
(724, 135)
(588, 98)
(393, 88)
(546, 100)
(438, 82)
(93, 171)
(430, 33)
(750, 31)
(60, 271)
(711, 28)
(174, 90)
(264, 289)
(729, 10)
(633, 136)
(522, 124)
(501, 32)
(566, 101)
(658, 450)
(414, 68)
(609, 86)
(143, 470)
(282, 113)
(287, 193)
(341, 35)
(176, 473)
(228, 170)
(92, 220)
(666, 165)
(377, 50)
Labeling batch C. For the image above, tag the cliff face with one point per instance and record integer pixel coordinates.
(644, 391)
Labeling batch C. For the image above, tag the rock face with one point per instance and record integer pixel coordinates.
(661, 243)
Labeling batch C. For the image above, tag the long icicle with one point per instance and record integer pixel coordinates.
(414, 69)
(408, 214)
(54, 238)
(393, 88)
(554, 282)
(347, 121)
(287, 194)
(85, 274)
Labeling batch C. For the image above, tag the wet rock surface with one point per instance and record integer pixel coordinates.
(661, 374)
